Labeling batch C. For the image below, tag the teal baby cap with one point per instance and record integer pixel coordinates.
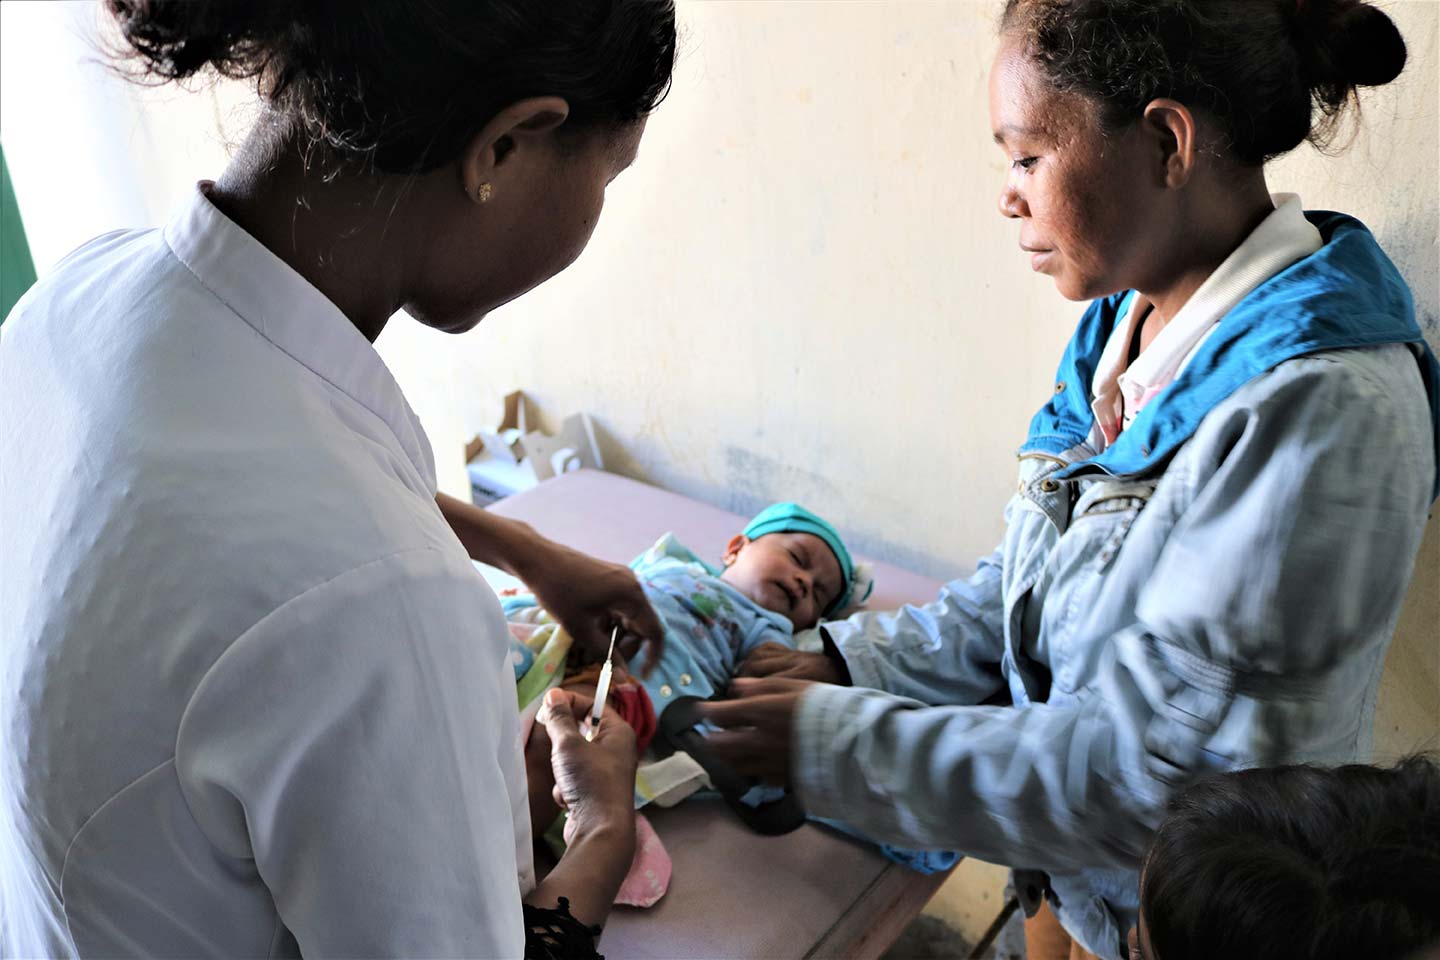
(793, 518)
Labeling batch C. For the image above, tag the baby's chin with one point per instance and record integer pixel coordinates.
(762, 596)
(775, 600)
(796, 625)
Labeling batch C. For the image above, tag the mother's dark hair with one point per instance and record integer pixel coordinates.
(402, 86)
(1260, 70)
(1297, 863)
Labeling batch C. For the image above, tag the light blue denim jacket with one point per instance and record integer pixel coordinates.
(1216, 589)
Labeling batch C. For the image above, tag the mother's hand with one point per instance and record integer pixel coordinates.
(777, 660)
(756, 727)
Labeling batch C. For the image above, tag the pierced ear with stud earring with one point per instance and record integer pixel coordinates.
(483, 192)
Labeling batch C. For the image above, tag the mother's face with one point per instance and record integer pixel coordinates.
(1085, 206)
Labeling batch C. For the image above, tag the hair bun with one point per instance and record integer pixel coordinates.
(1348, 44)
(175, 39)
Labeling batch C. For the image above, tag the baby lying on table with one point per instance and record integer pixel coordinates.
(786, 570)
(782, 574)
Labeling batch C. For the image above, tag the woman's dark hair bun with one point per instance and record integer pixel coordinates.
(401, 87)
(1270, 74)
(176, 39)
(1347, 44)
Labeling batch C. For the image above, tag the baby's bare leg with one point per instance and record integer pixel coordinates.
(540, 781)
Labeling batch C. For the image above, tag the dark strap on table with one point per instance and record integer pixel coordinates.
(771, 818)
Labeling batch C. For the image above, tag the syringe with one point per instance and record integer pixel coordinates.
(602, 689)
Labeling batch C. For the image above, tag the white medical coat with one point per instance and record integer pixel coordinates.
(253, 695)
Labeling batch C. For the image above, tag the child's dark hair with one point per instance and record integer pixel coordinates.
(1258, 69)
(1297, 863)
(400, 86)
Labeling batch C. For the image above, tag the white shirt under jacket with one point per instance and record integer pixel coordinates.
(253, 695)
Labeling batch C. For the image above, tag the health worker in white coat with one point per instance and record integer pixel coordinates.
(254, 697)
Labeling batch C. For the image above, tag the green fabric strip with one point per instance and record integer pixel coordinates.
(17, 270)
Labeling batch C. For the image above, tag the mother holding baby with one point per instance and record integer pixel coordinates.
(1218, 509)
(253, 699)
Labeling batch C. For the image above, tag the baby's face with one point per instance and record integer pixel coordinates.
(794, 574)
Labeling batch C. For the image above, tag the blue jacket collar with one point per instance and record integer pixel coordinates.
(1347, 294)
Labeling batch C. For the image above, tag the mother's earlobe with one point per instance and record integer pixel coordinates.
(1174, 127)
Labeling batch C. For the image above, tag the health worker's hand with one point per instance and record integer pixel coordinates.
(590, 597)
(777, 660)
(595, 780)
(756, 726)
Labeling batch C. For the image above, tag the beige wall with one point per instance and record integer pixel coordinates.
(802, 289)
(87, 152)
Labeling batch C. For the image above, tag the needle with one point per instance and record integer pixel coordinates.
(602, 689)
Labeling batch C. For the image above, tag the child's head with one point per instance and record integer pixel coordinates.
(792, 562)
(1296, 862)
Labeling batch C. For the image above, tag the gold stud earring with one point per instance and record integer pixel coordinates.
(483, 192)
